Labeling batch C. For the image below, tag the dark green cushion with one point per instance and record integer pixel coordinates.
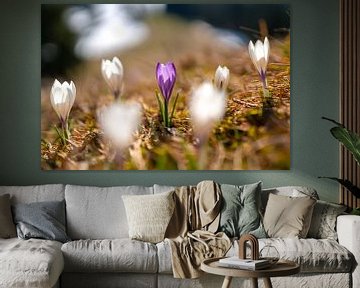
(43, 220)
(240, 213)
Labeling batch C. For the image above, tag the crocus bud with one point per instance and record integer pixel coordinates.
(166, 77)
(259, 55)
(207, 106)
(222, 77)
(119, 122)
(62, 98)
(113, 74)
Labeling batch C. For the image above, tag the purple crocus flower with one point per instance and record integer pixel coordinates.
(166, 77)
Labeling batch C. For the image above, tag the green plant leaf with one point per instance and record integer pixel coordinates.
(173, 108)
(161, 105)
(347, 184)
(348, 138)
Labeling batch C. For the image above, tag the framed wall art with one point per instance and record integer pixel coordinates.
(165, 87)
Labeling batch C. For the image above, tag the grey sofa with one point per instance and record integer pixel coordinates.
(101, 254)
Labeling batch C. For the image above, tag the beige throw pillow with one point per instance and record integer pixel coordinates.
(7, 226)
(288, 217)
(148, 215)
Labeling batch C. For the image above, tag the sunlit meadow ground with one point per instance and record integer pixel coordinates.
(245, 139)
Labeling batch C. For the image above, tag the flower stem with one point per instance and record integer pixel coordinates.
(166, 114)
(202, 155)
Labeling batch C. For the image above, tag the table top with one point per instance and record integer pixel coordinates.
(281, 268)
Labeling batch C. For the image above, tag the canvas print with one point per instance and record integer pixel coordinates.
(165, 87)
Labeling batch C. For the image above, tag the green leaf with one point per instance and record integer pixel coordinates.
(173, 109)
(161, 105)
(348, 138)
(347, 184)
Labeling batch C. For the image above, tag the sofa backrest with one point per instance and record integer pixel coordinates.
(98, 212)
(293, 191)
(35, 193)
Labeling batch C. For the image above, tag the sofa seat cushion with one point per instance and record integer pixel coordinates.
(115, 255)
(313, 255)
(30, 263)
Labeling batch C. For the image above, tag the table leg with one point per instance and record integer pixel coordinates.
(227, 282)
(267, 283)
(254, 282)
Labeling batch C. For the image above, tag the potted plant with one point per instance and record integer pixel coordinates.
(351, 141)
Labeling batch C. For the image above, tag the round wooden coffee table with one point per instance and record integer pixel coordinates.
(281, 268)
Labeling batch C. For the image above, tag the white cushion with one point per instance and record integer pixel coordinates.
(30, 263)
(117, 255)
(98, 213)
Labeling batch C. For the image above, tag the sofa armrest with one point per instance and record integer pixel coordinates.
(348, 230)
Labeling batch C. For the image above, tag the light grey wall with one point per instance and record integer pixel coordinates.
(314, 93)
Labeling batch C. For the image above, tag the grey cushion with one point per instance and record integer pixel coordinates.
(7, 227)
(240, 213)
(31, 263)
(117, 255)
(44, 220)
(98, 213)
(323, 222)
(36, 193)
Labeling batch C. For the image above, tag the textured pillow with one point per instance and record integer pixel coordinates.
(43, 220)
(288, 217)
(323, 222)
(7, 227)
(240, 210)
(149, 215)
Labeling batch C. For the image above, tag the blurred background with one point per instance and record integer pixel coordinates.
(74, 33)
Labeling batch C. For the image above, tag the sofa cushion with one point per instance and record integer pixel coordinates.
(323, 222)
(287, 216)
(149, 215)
(43, 220)
(240, 210)
(313, 255)
(30, 263)
(36, 193)
(7, 226)
(98, 213)
(291, 191)
(117, 255)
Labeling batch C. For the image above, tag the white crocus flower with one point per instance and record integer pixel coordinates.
(119, 122)
(259, 54)
(207, 106)
(222, 77)
(113, 74)
(62, 99)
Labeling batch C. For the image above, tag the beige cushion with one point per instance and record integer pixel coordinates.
(149, 215)
(117, 255)
(7, 226)
(287, 217)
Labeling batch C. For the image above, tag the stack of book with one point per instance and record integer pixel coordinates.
(248, 264)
